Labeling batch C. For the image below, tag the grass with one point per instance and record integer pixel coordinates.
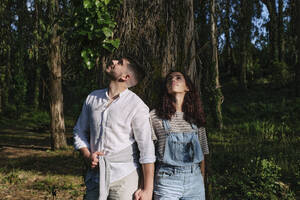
(29, 170)
(26, 184)
(261, 123)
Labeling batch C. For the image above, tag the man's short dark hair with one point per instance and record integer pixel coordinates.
(136, 69)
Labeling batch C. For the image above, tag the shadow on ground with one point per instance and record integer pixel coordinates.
(28, 150)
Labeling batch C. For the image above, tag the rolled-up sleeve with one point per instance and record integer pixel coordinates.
(81, 129)
(143, 134)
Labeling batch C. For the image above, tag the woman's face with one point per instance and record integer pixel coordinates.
(176, 83)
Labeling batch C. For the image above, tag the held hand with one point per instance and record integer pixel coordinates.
(141, 194)
(94, 159)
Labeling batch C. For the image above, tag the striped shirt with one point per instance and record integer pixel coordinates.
(178, 124)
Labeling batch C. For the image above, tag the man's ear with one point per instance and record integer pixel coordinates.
(125, 77)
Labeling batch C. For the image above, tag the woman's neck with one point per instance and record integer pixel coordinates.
(179, 97)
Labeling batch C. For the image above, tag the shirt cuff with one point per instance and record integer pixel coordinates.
(148, 160)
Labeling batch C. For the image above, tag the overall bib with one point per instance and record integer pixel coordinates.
(178, 175)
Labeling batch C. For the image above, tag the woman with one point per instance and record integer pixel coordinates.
(181, 141)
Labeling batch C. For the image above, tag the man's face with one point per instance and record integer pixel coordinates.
(117, 69)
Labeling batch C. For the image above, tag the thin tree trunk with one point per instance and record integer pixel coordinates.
(228, 59)
(243, 73)
(58, 139)
(243, 40)
(297, 66)
(217, 93)
(2, 78)
(36, 86)
(20, 79)
(7, 80)
(272, 29)
(245, 26)
(280, 30)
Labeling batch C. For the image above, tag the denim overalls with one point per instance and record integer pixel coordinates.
(178, 174)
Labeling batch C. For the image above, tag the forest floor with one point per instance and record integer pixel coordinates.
(29, 170)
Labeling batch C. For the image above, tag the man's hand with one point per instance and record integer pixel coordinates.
(141, 194)
(92, 159)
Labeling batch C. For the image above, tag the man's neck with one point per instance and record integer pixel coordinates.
(115, 88)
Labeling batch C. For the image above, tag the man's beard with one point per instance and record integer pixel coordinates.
(110, 75)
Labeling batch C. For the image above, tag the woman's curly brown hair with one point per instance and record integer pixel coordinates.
(191, 107)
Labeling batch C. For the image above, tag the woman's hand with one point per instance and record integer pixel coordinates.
(141, 194)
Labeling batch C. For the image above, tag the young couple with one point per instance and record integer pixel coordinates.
(115, 135)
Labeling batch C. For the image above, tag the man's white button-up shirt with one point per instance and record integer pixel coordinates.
(110, 128)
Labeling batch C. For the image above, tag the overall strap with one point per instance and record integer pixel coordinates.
(194, 126)
(166, 125)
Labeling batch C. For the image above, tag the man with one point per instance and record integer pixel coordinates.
(112, 128)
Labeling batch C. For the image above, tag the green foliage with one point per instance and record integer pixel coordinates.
(94, 27)
(19, 90)
(254, 70)
(259, 179)
(256, 155)
(38, 120)
(10, 111)
(33, 119)
(279, 74)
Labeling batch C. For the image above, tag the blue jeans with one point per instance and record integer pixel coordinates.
(184, 183)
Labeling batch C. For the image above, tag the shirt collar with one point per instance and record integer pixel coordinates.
(119, 95)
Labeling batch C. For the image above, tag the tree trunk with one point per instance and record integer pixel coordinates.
(19, 76)
(272, 29)
(7, 80)
(297, 66)
(36, 84)
(58, 139)
(2, 78)
(217, 93)
(245, 22)
(161, 39)
(189, 44)
(228, 56)
(243, 72)
(280, 30)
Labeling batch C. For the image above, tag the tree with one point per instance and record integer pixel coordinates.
(245, 26)
(295, 21)
(275, 27)
(58, 139)
(228, 51)
(215, 86)
(36, 53)
(6, 35)
(161, 36)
